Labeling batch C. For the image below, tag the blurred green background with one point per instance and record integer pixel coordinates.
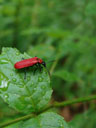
(64, 31)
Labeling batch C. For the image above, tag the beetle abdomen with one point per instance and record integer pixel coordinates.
(25, 63)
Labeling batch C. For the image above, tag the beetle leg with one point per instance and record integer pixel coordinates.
(40, 67)
(35, 68)
(22, 58)
(24, 71)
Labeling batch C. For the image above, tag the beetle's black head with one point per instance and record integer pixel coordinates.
(44, 64)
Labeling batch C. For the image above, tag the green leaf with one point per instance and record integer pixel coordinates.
(46, 120)
(65, 75)
(81, 120)
(26, 95)
(16, 125)
(91, 9)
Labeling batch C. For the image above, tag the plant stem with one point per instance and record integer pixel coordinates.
(55, 104)
(16, 23)
(69, 102)
(74, 101)
(53, 66)
(16, 120)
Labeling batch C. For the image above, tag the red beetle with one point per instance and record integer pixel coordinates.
(29, 62)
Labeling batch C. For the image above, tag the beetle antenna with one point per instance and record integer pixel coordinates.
(48, 72)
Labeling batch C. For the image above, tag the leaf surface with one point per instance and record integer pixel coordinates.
(26, 95)
(46, 120)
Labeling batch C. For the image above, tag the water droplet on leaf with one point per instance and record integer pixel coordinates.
(28, 78)
(6, 96)
(11, 74)
(14, 80)
(60, 123)
(43, 87)
(61, 126)
(3, 61)
(40, 79)
(32, 83)
(17, 53)
(34, 89)
(4, 85)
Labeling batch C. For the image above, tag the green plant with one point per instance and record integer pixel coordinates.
(30, 95)
(64, 31)
(25, 95)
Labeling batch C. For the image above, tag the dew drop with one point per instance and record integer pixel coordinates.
(17, 53)
(14, 80)
(32, 83)
(4, 61)
(48, 80)
(61, 125)
(4, 85)
(34, 89)
(28, 78)
(6, 96)
(11, 74)
(43, 87)
(40, 79)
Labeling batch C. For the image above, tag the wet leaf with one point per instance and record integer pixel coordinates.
(25, 95)
(46, 120)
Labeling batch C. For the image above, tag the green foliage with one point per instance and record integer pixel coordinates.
(45, 120)
(25, 95)
(15, 125)
(53, 30)
(65, 75)
(42, 50)
(85, 120)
